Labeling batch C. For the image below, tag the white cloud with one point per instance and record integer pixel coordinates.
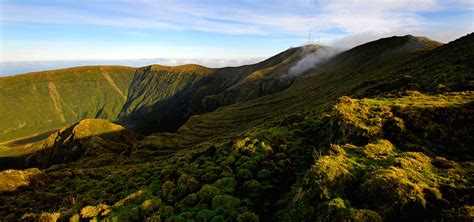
(352, 16)
(338, 22)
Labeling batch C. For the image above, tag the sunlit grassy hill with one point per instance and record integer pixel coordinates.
(43, 101)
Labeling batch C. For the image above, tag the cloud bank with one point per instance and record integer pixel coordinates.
(312, 59)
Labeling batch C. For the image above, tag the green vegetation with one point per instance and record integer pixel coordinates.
(386, 181)
(43, 101)
(40, 103)
(14, 179)
(332, 146)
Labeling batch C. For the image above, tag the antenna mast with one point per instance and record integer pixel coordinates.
(310, 38)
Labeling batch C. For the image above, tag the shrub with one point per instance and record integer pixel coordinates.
(154, 186)
(209, 177)
(225, 202)
(151, 205)
(93, 211)
(49, 217)
(247, 217)
(187, 184)
(10, 180)
(380, 149)
(227, 171)
(187, 214)
(226, 184)
(249, 164)
(205, 215)
(208, 192)
(167, 188)
(361, 215)
(330, 174)
(190, 200)
(218, 219)
(252, 187)
(244, 174)
(389, 190)
(265, 148)
(75, 218)
(129, 198)
(166, 211)
(28, 217)
(230, 160)
(263, 174)
(338, 210)
(177, 219)
(280, 156)
(154, 218)
(240, 143)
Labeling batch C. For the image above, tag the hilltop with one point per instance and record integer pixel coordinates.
(380, 132)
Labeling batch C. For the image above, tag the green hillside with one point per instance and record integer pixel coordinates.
(43, 101)
(349, 73)
(380, 132)
(148, 99)
(163, 98)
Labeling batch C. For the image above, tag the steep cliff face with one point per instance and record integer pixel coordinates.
(152, 100)
(163, 98)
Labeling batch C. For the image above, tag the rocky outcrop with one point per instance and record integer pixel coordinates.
(90, 137)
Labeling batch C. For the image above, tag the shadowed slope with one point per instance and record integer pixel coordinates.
(163, 98)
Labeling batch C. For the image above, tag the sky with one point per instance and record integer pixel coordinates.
(233, 30)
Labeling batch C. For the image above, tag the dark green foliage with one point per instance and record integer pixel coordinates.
(167, 188)
(218, 219)
(208, 192)
(244, 174)
(264, 173)
(190, 200)
(221, 202)
(247, 217)
(187, 184)
(226, 184)
(205, 215)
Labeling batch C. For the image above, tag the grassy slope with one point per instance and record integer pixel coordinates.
(161, 98)
(314, 93)
(240, 178)
(42, 101)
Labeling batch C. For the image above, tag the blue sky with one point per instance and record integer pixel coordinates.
(142, 29)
